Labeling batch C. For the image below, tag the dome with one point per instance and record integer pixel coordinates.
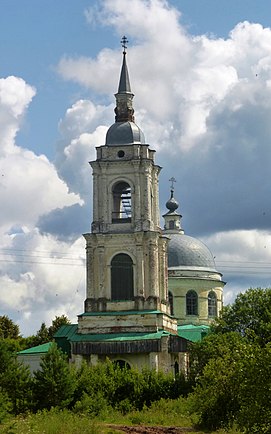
(124, 133)
(172, 204)
(185, 251)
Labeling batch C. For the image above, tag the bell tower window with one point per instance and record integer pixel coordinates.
(122, 277)
(122, 206)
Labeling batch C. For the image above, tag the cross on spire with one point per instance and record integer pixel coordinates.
(172, 180)
(124, 41)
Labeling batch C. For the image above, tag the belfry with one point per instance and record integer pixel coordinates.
(127, 313)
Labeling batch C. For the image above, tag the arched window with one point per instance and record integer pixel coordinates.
(212, 304)
(176, 369)
(171, 224)
(170, 301)
(122, 364)
(122, 206)
(122, 277)
(191, 303)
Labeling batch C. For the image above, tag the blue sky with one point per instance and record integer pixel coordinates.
(202, 97)
(36, 34)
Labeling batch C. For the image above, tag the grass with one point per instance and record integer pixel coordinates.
(163, 413)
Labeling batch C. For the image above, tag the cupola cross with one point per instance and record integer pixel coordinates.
(124, 41)
(172, 180)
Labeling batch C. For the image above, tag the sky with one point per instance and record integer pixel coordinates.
(201, 75)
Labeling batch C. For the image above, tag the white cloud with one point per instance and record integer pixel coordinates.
(41, 278)
(203, 102)
(32, 278)
(15, 96)
(83, 128)
(244, 257)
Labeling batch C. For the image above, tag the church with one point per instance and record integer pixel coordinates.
(149, 292)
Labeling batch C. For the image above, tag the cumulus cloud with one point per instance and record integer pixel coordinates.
(82, 129)
(32, 276)
(15, 96)
(203, 104)
(41, 277)
(244, 258)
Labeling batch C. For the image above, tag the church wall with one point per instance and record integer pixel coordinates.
(180, 286)
(159, 361)
(148, 253)
(125, 323)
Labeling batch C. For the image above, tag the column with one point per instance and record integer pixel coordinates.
(154, 276)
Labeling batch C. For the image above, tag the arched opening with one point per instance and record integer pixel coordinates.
(176, 369)
(122, 277)
(122, 364)
(212, 304)
(171, 224)
(122, 206)
(170, 301)
(191, 303)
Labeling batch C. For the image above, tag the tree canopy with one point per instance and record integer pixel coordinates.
(232, 364)
(8, 329)
(249, 315)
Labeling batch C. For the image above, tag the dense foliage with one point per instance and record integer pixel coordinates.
(229, 380)
(231, 367)
(249, 315)
(88, 389)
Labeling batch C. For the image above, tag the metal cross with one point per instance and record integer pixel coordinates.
(124, 41)
(172, 180)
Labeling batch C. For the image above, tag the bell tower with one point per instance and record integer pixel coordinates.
(126, 250)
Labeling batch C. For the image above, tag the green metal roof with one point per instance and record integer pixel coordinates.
(193, 333)
(190, 332)
(65, 331)
(44, 348)
(117, 337)
(69, 331)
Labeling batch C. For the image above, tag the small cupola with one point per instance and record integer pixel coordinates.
(172, 217)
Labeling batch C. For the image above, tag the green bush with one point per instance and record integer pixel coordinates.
(95, 405)
(5, 406)
(124, 388)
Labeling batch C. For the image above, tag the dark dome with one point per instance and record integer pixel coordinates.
(124, 133)
(172, 204)
(189, 252)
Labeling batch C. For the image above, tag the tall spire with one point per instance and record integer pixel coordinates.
(124, 84)
(124, 98)
(124, 131)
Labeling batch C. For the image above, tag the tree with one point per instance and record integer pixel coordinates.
(42, 336)
(212, 346)
(54, 383)
(8, 329)
(15, 380)
(45, 334)
(249, 315)
(254, 391)
(17, 383)
(233, 364)
(7, 353)
(216, 397)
